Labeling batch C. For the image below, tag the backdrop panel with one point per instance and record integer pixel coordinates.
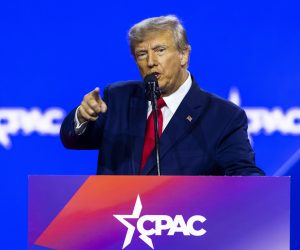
(53, 52)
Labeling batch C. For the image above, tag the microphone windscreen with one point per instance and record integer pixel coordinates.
(150, 78)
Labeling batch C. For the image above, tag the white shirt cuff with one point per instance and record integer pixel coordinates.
(79, 128)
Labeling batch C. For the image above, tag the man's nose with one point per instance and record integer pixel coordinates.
(151, 60)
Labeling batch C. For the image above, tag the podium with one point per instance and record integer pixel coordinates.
(158, 212)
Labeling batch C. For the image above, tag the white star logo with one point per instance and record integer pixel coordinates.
(130, 228)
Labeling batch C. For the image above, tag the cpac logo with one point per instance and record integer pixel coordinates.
(15, 121)
(160, 223)
(269, 121)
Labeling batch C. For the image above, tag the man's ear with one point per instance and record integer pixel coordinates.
(184, 57)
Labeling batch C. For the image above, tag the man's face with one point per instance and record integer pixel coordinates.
(158, 54)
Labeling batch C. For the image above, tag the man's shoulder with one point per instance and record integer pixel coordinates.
(123, 91)
(125, 85)
(220, 102)
(212, 100)
(216, 107)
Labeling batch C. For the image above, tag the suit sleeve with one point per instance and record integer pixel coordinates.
(234, 154)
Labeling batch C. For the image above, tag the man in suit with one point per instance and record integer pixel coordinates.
(201, 134)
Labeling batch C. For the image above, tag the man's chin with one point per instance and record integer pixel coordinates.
(161, 88)
(164, 92)
(165, 89)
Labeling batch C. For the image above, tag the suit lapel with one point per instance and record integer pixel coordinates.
(185, 117)
(137, 122)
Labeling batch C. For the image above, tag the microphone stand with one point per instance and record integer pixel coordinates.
(154, 96)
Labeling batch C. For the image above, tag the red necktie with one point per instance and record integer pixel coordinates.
(149, 135)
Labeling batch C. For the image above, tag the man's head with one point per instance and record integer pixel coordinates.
(159, 45)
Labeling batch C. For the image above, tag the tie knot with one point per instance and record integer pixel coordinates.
(160, 103)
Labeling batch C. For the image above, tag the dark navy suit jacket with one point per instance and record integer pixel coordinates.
(212, 141)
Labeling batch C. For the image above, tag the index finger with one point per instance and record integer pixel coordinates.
(96, 93)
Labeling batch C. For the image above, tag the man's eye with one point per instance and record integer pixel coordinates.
(160, 51)
(141, 55)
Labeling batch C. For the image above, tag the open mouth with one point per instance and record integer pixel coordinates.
(157, 75)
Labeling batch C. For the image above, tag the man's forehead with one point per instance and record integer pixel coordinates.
(156, 38)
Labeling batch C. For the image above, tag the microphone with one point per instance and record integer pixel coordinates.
(153, 93)
(151, 87)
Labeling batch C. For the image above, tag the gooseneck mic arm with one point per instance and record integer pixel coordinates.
(153, 93)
